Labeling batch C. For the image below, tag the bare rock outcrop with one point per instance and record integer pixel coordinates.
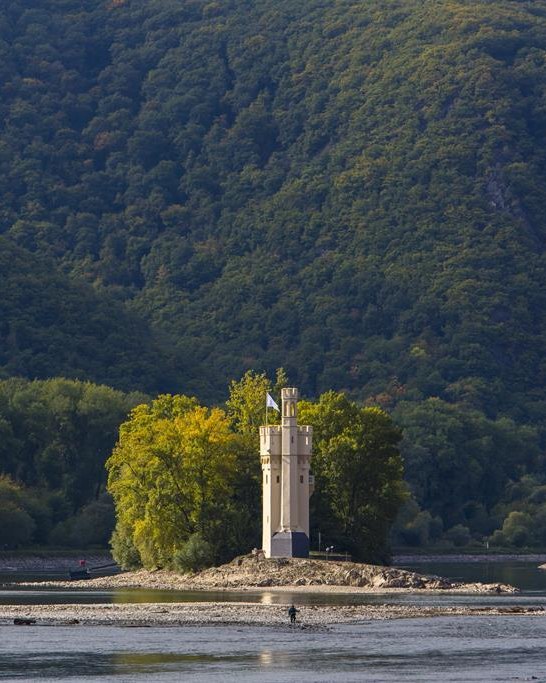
(258, 571)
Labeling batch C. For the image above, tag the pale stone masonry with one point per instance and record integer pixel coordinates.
(285, 451)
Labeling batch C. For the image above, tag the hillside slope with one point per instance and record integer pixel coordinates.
(351, 190)
(52, 325)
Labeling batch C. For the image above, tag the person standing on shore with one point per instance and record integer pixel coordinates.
(292, 611)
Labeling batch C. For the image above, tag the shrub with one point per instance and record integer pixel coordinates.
(498, 539)
(16, 526)
(517, 528)
(123, 550)
(194, 555)
(94, 524)
(459, 535)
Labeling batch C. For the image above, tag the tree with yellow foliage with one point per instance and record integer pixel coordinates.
(171, 475)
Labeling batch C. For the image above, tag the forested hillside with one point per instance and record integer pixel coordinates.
(52, 324)
(351, 190)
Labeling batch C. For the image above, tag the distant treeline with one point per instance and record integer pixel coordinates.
(55, 436)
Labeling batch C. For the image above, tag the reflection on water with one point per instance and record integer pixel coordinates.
(50, 597)
(524, 575)
(447, 649)
(266, 658)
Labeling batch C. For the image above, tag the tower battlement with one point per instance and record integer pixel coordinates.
(267, 430)
(270, 440)
(289, 393)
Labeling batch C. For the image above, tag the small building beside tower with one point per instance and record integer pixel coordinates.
(287, 484)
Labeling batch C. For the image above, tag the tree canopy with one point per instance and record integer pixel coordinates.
(55, 436)
(181, 475)
(358, 472)
(172, 476)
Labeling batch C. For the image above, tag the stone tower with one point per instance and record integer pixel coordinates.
(285, 451)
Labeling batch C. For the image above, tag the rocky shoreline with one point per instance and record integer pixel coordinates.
(250, 572)
(255, 573)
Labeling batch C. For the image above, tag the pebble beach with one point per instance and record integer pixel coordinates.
(241, 613)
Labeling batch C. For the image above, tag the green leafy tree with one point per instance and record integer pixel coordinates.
(459, 535)
(59, 434)
(194, 555)
(246, 402)
(16, 524)
(358, 471)
(517, 530)
(457, 459)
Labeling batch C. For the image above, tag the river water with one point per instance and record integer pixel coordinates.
(500, 648)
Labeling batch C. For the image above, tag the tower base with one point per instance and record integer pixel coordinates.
(289, 544)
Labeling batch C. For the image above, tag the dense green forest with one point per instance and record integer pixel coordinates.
(476, 479)
(52, 324)
(55, 436)
(350, 190)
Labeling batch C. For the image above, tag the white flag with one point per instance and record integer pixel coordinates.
(270, 403)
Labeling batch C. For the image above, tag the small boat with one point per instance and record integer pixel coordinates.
(78, 574)
(93, 572)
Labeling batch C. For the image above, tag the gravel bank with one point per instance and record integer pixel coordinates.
(201, 614)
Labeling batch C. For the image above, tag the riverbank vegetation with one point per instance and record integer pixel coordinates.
(55, 436)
